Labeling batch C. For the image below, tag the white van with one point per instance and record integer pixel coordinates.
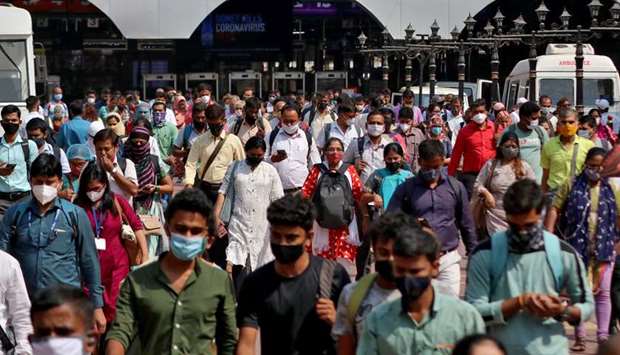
(17, 69)
(555, 77)
(439, 91)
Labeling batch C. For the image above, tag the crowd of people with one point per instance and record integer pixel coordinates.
(321, 225)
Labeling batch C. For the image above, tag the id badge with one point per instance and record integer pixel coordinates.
(100, 243)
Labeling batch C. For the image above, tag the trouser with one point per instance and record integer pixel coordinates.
(468, 179)
(217, 252)
(615, 296)
(603, 307)
(448, 282)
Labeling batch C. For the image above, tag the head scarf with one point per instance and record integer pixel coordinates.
(576, 220)
(182, 117)
(119, 129)
(437, 121)
(95, 127)
(141, 157)
(143, 111)
(79, 151)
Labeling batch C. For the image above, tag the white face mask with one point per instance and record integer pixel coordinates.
(533, 124)
(480, 118)
(45, 193)
(375, 130)
(90, 100)
(206, 99)
(405, 127)
(58, 346)
(291, 129)
(95, 196)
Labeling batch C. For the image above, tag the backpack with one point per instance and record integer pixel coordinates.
(333, 198)
(359, 293)
(313, 113)
(360, 145)
(499, 256)
(274, 134)
(26, 149)
(326, 278)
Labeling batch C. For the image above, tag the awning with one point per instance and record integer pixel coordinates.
(165, 19)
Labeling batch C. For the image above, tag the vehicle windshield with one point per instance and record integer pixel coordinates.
(594, 89)
(558, 88)
(13, 71)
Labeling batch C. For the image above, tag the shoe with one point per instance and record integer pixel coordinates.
(579, 346)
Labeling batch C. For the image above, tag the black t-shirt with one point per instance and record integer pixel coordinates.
(284, 309)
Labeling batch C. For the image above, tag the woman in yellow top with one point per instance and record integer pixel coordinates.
(589, 215)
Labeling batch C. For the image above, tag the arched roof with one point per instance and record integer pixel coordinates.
(165, 19)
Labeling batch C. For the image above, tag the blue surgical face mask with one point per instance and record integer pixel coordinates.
(187, 248)
(429, 176)
(57, 97)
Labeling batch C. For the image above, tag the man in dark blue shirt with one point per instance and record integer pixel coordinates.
(443, 202)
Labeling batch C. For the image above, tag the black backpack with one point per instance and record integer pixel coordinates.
(333, 198)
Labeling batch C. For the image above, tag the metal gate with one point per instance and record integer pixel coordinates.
(193, 79)
(331, 80)
(238, 81)
(151, 82)
(288, 82)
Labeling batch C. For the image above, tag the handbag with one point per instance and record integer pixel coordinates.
(128, 237)
(478, 206)
(226, 213)
(152, 224)
(216, 151)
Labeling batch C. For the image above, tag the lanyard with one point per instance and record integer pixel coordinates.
(41, 228)
(98, 222)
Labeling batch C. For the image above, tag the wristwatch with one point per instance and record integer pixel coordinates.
(565, 315)
(116, 170)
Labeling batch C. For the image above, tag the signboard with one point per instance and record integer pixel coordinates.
(105, 44)
(244, 26)
(156, 46)
(71, 6)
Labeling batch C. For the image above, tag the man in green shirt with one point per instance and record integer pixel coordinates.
(179, 304)
(515, 280)
(423, 321)
(165, 132)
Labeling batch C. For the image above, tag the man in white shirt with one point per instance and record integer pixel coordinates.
(121, 172)
(32, 105)
(319, 116)
(14, 303)
(292, 151)
(367, 155)
(344, 128)
(37, 131)
(515, 114)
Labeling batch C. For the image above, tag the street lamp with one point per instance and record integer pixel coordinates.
(565, 17)
(455, 34)
(361, 39)
(615, 12)
(499, 20)
(409, 32)
(595, 7)
(470, 23)
(489, 29)
(386, 36)
(519, 24)
(542, 12)
(434, 31)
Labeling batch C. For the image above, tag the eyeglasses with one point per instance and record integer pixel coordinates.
(334, 150)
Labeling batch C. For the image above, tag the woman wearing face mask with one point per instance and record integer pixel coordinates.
(111, 106)
(383, 182)
(589, 213)
(103, 209)
(547, 126)
(113, 121)
(437, 131)
(78, 155)
(336, 244)
(588, 130)
(603, 130)
(252, 184)
(496, 176)
(153, 183)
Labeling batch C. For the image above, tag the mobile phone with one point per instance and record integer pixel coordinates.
(282, 152)
(11, 166)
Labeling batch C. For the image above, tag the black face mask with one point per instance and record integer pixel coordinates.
(322, 106)
(39, 141)
(393, 167)
(385, 269)
(253, 161)
(411, 288)
(216, 129)
(199, 126)
(10, 128)
(250, 119)
(287, 254)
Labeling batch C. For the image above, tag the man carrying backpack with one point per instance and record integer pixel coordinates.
(38, 132)
(515, 280)
(360, 298)
(251, 124)
(442, 201)
(319, 115)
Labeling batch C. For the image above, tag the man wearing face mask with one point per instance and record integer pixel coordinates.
(179, 304)
(546, 110)
(412, 135)
(62, 318)
(343, 128)
(360, 298)
(292, 150)
(515, 280)
(251, 124)
(475, 144)
(165, 132)
(366, 152)
(52, 238)
(532, 137)
(292, 299)
(563, 156)
(189, 134)
(442, 201)
(423, 320)
(56, 100)
(16, 155)
(76, 130)
(319, 115)
(38, 132)
(204, 93)
(276, 115)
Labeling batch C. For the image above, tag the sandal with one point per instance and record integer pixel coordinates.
(579, 346)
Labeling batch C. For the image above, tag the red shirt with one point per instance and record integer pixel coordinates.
(476, 146)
